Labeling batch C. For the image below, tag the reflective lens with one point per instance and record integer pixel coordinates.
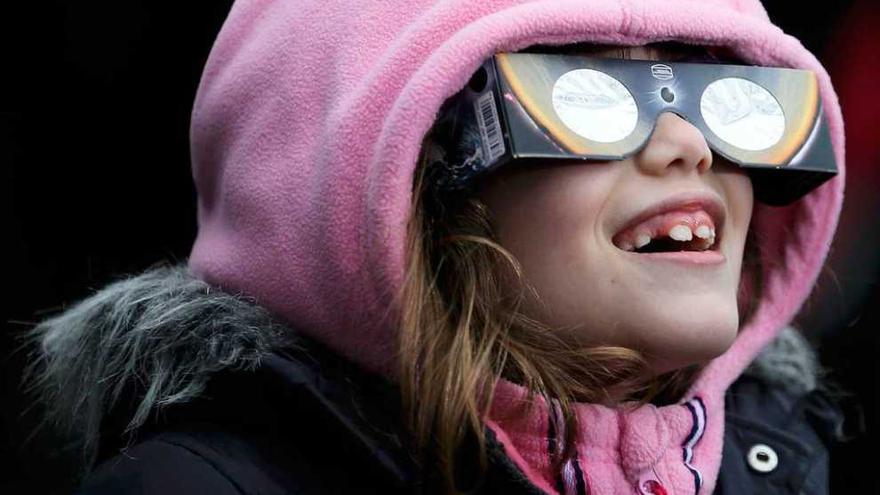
(595, 105)
(742, 113)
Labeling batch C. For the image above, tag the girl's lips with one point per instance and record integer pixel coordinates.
(687, 258)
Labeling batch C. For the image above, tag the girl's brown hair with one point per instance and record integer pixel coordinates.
(461, 329)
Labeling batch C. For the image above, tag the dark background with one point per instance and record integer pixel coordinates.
(95, 100)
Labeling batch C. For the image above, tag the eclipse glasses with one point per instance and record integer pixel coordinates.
(517, 106)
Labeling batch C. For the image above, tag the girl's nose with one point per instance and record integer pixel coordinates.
(675, 143)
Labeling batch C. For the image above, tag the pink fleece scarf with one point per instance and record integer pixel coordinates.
(305, 133)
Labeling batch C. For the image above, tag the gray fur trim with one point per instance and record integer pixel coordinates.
(162, 333)
(788, 361)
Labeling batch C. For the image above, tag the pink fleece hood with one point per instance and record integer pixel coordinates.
(305, 133)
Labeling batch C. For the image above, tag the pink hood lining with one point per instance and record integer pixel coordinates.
(306, 129)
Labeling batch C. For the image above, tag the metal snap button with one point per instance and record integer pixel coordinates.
(762, 458)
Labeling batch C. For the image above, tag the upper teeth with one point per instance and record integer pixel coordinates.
(681, 233)
(704, 232)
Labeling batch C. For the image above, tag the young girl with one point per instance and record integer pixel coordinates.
(344, 325)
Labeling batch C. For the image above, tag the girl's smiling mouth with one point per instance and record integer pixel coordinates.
(683, 224)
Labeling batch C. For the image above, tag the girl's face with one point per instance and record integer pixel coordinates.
(571, 226)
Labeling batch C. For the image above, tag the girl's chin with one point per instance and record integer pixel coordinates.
(665, 358)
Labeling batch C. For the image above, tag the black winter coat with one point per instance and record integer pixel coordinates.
(304, 425)
(238, 407)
